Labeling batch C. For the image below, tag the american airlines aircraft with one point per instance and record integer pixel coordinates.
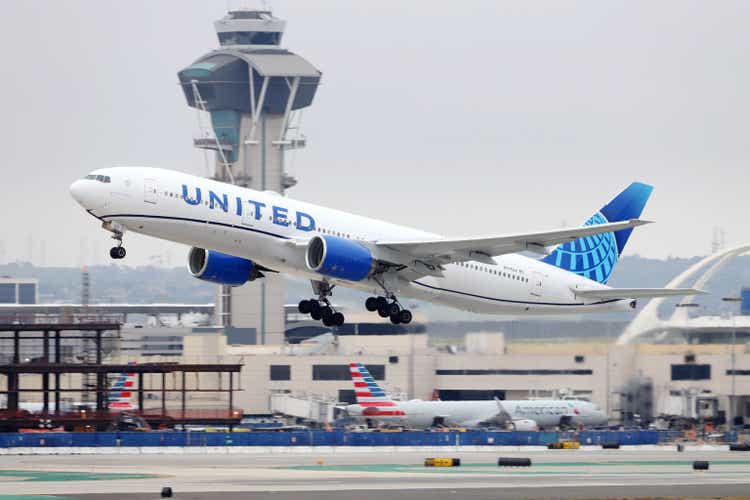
(238, 235)
(375, 405)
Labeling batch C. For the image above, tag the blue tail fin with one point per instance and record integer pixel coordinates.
(594, 257)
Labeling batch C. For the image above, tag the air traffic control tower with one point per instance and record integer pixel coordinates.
(253, 90)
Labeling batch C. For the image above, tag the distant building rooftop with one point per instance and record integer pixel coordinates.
(18, 291)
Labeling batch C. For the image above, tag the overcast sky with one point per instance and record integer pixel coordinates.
(461, 118)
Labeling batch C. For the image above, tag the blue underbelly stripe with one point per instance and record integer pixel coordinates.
(515, 301)
(198, 221)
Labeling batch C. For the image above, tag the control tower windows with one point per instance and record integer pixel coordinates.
(250, 14)
(250, 38)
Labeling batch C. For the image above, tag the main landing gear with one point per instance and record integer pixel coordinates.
(320, 308)
(389, 309)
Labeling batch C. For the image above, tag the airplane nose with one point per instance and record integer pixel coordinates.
(77, 191)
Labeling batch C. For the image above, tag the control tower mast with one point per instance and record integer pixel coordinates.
(253, 91)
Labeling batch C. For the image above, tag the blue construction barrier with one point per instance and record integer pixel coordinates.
(325, 438)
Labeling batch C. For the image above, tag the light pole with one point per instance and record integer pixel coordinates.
(734, 371)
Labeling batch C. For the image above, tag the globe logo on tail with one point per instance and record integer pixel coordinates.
(592, 257)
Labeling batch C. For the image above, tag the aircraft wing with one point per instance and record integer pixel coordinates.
(635, 293)
(482, 249)
(498, 417)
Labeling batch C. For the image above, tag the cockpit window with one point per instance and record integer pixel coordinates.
(100, 178)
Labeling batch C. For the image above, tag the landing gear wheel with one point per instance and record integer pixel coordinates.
(383, 311)
(315, 307)
(327, 314)
(371, 304)
(337, 319)
(393, 309)
(117, 252)
(405, 316)
(316, 312)
(396, 319)
(304, 307)
(381, 301)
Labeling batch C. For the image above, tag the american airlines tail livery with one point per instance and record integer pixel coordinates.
(238, 235)
(375, 405)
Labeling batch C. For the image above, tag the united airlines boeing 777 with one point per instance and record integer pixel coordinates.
(238, 235)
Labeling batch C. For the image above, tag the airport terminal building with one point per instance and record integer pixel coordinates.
(633, 383)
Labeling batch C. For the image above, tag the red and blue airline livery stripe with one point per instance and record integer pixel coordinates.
(121, 391)
(370, 395)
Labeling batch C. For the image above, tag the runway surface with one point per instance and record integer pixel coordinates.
(333, 476)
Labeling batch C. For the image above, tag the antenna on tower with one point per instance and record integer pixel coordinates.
(85, 287)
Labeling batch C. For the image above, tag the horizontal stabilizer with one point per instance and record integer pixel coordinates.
(635, 293)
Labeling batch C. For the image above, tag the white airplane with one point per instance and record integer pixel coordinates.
(238, 234)
(374, 404)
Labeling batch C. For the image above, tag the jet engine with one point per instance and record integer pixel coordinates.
(220, 268)
(339, 258)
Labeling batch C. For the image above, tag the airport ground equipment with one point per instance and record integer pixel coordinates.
(254, 92)
(610, 446)
(513, 462)
(442, 462)
(700, 465)
(94, 373)
(166, 492)
(129, 422)
(564, 445)
(739, 447)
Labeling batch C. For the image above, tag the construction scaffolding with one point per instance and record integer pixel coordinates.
(94, 411)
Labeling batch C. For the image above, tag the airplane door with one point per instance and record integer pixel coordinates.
(536, 284)
(149, 191)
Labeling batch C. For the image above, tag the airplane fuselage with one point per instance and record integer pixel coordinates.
(420, 414)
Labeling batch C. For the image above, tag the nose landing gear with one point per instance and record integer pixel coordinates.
(117, 252)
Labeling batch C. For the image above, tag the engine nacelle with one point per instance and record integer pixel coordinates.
(217, 267)
(525, 425)
(339, 258)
